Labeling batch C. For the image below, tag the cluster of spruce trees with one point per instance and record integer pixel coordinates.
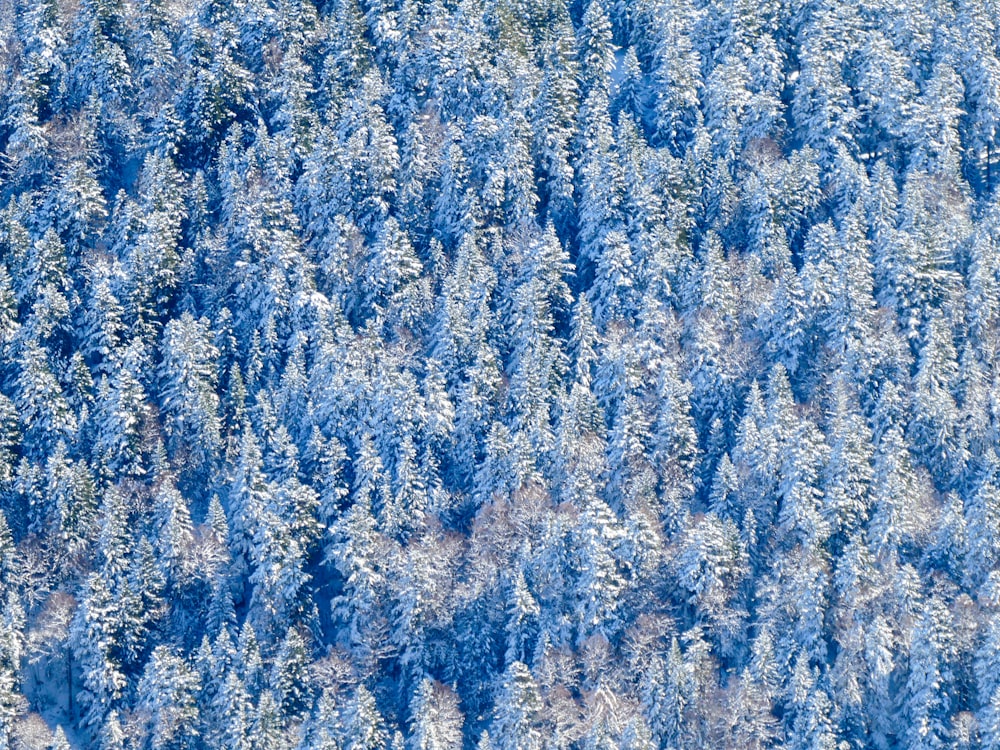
(499, 374)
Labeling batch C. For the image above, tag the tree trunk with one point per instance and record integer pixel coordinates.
(69, 681)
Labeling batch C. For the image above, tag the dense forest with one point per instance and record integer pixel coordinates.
(499, 374)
